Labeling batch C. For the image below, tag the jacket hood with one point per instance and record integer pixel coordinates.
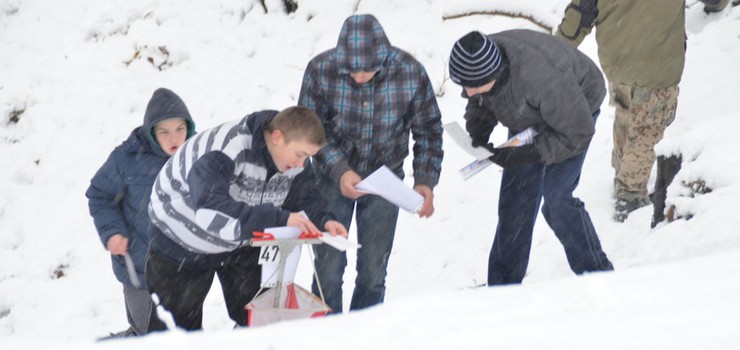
(257, 122)
(165, 104)
(362, 45)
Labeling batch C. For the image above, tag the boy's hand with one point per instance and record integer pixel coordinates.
(117, 244)
(427, 209)
(480, 130)
(335, 228)
(347, 184)
(301, 221)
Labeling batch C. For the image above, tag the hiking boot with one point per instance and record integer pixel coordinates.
(623, 208)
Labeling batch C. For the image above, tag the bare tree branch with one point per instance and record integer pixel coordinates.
(264, 6)
(501, 13)
(290, 6)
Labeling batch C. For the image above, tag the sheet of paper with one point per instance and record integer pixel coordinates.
(270, 270)
(339, 242)
(462, 139)
(474, 167)
(525, 137)
(383, 182)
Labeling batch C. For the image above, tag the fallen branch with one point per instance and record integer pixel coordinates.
(289, 5)
(501, 13)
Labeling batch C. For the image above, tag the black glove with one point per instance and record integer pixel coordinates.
(509, 157)
(490, 147)
(480, 130)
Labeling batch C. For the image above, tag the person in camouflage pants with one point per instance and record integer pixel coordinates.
(642, 116)
(642, 47)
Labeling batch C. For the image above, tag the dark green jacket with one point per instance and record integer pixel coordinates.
(641, 42)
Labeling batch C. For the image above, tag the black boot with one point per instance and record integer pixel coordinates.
(667, 170)
(712, 6)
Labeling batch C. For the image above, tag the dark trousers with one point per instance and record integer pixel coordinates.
(376, 228)
(522, 190)
(182, 291)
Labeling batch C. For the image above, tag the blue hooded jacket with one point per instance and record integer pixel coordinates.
(119, 192)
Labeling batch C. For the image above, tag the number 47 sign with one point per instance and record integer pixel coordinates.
(269, 254)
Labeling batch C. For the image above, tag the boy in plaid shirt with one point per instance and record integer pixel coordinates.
(369, 95)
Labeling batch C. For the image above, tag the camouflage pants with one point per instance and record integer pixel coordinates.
(641, 118)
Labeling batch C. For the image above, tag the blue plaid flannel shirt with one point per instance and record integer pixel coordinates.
(367, 125)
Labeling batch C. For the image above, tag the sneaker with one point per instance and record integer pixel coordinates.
(623, 208)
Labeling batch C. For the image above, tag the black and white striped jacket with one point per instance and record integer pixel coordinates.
(222, 185)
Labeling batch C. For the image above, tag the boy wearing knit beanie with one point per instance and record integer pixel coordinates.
(525, 79)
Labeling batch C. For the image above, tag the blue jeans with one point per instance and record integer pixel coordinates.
(522, 191)
(376, 227)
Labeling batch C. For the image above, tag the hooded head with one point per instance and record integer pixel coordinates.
(164, 105)
(475, 60)
(362, 45)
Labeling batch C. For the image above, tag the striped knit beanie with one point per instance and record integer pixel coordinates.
(474, 60)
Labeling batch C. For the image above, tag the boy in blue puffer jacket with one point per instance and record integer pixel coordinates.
(118, 197)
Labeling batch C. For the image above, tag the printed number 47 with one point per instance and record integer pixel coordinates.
(269, 254)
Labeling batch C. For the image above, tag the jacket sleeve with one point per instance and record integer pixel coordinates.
(209, 180)
(578, 20)
(311, 97)
(569, 123)
(304, 195)
(104, 199)
(426, 130)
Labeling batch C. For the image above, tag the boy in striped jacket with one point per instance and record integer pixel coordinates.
(222, 185)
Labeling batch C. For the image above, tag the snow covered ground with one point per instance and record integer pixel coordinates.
(75, 77)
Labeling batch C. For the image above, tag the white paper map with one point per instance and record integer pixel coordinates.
(481, 154)
(463, 140)
(383, 182)
(338, 242)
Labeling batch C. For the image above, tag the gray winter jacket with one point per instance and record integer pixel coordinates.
(551, 86)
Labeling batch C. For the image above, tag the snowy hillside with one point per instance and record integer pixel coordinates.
(75, 77)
